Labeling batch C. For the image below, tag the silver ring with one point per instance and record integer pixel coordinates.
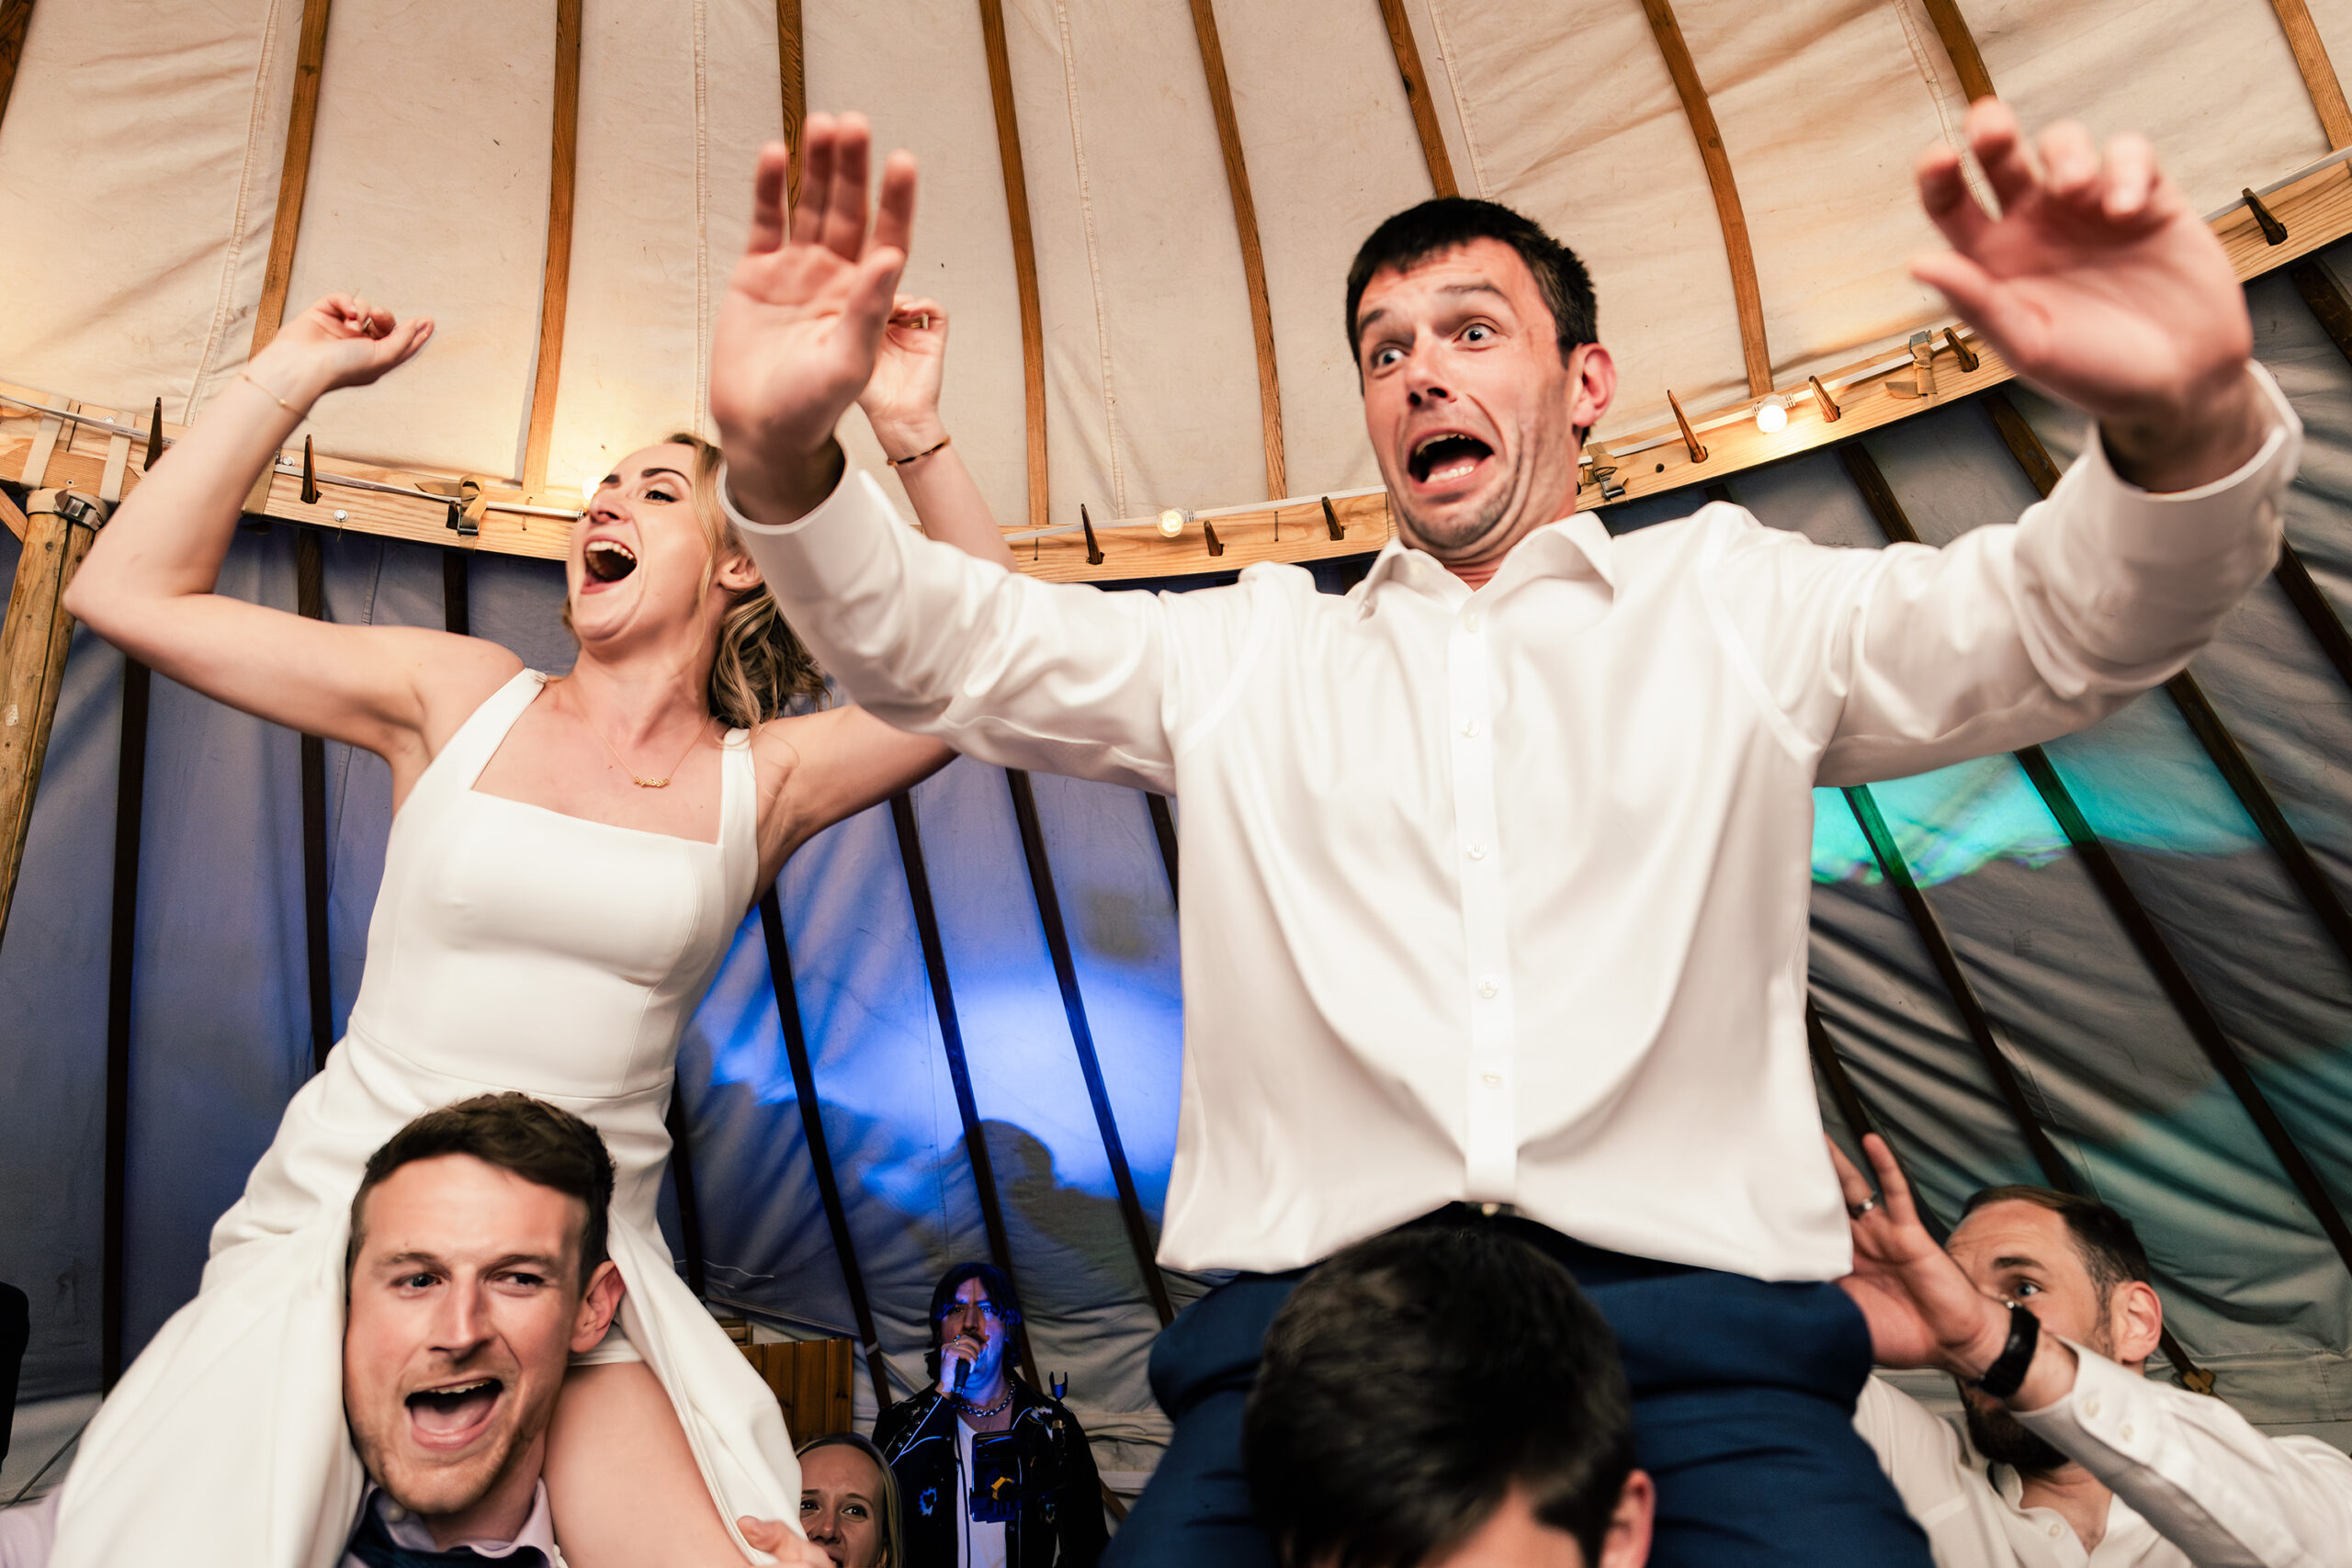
(1856, 1211)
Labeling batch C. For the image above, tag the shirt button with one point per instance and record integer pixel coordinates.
(1477, 851)
(1492, 1080)
(2124, 1431)
(2057, 1531)
(1473, 621)
(1470, 727)
(1488, 988)
(2090, 1404)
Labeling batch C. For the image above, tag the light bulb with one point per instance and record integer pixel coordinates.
(1772, 415)
(1171, 523)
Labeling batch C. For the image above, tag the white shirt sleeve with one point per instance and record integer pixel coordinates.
(2211, 1483)
(1060, 677)
(1899, 660)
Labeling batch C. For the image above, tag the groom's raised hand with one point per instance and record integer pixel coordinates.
(797, 332)
(2098, 283)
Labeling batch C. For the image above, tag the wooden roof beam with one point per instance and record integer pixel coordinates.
(1253, 254)
(1960, 44)
(16, 20)
(792, 73)
(554, 282)
(2319, 74)
(1728, 212)
(294, 176)
(1024, 258)
(1417, 93)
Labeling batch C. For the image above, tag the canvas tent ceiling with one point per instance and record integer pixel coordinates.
(140, 165)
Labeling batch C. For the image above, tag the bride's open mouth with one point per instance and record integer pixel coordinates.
(453, 1415)
(608, 560)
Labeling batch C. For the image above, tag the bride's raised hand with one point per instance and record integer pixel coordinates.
(801, 325)
(340, 340)
(901, 400)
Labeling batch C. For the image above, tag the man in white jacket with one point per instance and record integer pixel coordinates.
(2082, 1460)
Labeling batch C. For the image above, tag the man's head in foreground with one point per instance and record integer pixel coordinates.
(2079, 1265)
(1444, 1398)
(476, 1267)
(1474, 333)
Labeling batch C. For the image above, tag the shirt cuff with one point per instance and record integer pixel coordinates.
(843, 485)
(2109, 1412)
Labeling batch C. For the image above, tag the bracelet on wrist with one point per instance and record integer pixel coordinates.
(247, 376)
(2007, 1374)
(918, 457)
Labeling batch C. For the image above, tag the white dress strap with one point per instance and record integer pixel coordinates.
(739, 817)
(469, 750)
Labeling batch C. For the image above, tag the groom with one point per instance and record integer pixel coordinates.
(1495, 871)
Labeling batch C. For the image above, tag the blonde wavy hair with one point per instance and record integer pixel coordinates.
(762, 669)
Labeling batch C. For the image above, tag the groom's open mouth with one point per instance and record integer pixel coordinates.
(1446, 459)
(608, 560)
(454, 1414)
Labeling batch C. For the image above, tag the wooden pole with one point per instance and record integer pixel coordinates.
(15, 18)
(1025, 256)
(1961, 45)
(1417, 93)
(58, 528)
(1253, 254)
(294, 176)
(1737, 251)
(2318, 72)
(554, 282)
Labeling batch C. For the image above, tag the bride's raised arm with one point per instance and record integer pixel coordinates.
(147, 586)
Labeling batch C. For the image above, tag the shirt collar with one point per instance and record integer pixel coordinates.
(1572, 547)
(406, 1529)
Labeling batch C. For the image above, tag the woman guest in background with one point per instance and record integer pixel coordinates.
(849, 1503)
(570, 858)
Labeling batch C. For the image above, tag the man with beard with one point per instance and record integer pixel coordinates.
(1495, 870)
(2039, 1305)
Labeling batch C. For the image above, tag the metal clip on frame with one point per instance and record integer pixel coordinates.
(2273, 231)
(1331, 521)
(1093, 550)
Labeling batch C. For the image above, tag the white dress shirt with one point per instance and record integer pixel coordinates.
(2193, 1483)
(1502, 895)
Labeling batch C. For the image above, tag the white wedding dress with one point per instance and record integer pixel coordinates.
(511, 947)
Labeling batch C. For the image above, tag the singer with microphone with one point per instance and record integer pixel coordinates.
(992, 1473)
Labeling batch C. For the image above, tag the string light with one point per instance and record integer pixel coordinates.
(1772, 415)
(1171, 523)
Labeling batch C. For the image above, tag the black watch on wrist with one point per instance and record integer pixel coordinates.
(2007, 1374)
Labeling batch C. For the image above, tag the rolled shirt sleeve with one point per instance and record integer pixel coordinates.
(2211, 1483)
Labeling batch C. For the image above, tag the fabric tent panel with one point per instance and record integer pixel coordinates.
(428, 194)
(1824, 109)
(1433, 39)
(1150, 407)
(2210, 82)
(220, 1018)
(1613, 171)
(1121, 924)
(1326, 167)
(53, 1027)
(1079, 1280)
(862, 58)
(143, 252)
(882, 1079)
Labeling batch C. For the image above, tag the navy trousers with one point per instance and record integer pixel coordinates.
(1743, 1410)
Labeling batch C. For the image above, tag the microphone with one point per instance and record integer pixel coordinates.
(963, 1374)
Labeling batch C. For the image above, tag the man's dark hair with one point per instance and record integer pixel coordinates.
(1419, 233)
(2110, 1248)
(1412, 1380)
(994, 1285)
(544, 1145)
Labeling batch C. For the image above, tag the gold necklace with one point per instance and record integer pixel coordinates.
(662, 783)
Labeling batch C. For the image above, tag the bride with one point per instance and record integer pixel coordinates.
(570, 858)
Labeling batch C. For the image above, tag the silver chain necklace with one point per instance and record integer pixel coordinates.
(973, 1410)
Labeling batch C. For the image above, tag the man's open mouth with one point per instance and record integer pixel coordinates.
(452, 1415)
(608, 561)
(1446, 457)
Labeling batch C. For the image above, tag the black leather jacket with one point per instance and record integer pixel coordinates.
(1058, 1523)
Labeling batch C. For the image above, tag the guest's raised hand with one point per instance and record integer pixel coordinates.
(1923, 1310)
(340, 340)
(800, 327)
(2099, 283)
